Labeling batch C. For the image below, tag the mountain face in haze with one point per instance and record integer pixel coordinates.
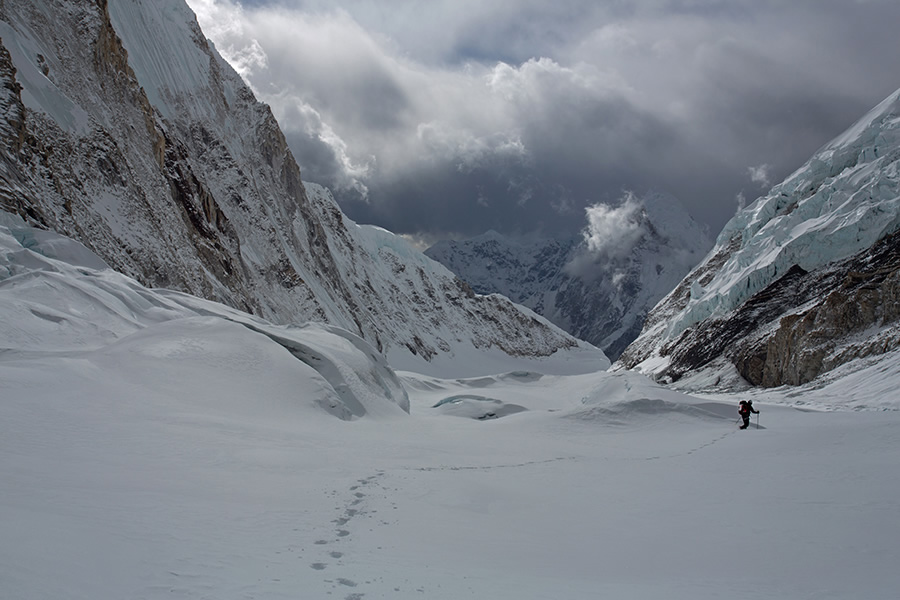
(124, 129)
(600, 295)
(800, 282)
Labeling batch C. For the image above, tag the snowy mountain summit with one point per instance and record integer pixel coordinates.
(805, 279)
(599, 286)
(124, 129)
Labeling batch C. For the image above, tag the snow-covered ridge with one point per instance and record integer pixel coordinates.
(843, 200)
(447, 328)
(176, 175)
(600, 296)
(178, 80)
(799, 282)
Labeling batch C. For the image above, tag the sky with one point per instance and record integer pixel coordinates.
(446, 118)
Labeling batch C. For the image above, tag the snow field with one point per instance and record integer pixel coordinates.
(111, 491)
(155, 445)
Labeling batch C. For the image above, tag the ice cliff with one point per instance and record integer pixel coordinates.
(802, 280)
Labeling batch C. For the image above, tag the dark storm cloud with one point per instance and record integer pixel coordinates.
(448, 117)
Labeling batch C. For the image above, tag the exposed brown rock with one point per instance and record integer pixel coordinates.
(804, 324)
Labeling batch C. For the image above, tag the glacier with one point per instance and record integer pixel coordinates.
(800, 281)
(155, 444)
(843, 200)
(159, 444)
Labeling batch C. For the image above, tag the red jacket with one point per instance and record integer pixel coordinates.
(746, 408)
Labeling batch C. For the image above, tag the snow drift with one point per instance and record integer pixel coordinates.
(58, 299)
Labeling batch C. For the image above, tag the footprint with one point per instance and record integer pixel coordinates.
(319, 566)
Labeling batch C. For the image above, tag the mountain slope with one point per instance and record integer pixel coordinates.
(124, 129)
(61, 302)
(156, 445)
(803, 280)
(598, 295)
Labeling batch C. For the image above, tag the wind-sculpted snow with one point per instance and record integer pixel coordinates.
(58, 299)
(473, 406)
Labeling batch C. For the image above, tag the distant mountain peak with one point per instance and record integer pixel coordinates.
(600, 294)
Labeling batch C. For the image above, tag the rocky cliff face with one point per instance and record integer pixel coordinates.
(124, 129)
(799, 283)
(847, 310)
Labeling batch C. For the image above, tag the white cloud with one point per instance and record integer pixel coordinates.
(613, 231)
(760, 175)
(610, 237)
(225, 23)
(468, 149)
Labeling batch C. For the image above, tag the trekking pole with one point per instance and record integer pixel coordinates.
(757, 420)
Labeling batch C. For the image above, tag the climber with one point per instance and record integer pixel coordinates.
(745, 409)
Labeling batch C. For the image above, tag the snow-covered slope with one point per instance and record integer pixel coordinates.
(445, 327)
(156, 445)
(60, 301)
(123, 128)
(801, 281)
(601, 297)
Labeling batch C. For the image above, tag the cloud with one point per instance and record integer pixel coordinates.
(760, 175)
(461, 116)
(225, 23)
(469, 150)
(613, 231)
(322, 153)
(610, 237)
